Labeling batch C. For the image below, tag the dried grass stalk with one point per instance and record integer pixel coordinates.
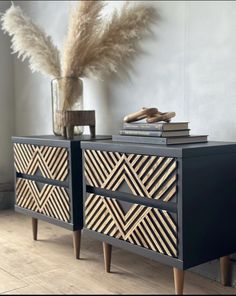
(118, 40)
(93, 50)
(90, 49)
(83, 19)
(71, 90)
(84, 24)
(30, 41)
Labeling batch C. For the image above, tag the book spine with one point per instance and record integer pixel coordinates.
(139, 140)
(148, 127)
(141, 133)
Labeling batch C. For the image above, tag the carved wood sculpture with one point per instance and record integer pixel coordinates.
(151, 115)
(69, 119)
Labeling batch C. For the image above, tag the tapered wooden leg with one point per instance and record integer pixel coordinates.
(35, 228)
(225, 270)
(107, 249)
(179, 281)
(76, 243)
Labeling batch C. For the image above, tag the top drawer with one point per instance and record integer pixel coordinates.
(49, 162)
(141, 175)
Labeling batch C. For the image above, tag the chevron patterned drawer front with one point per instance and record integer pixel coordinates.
(52, 201)
(143, 226)
(141, 175)
(50, 162)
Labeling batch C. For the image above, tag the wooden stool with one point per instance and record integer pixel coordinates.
(69, 119)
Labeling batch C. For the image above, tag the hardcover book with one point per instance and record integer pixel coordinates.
(160, 140)
(144, 133)
(157, 126)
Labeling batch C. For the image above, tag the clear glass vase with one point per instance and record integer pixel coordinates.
(67, 95)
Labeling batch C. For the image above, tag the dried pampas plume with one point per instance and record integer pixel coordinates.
(29, 41)
(84, 24)
(118, 41)
(91, 49)
(94, 50)
(83, 27)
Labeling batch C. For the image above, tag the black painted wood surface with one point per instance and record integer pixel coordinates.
(206, 201)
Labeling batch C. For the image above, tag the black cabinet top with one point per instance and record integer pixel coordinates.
(56, 140)
(177, 150)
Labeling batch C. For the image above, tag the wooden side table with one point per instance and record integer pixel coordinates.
(48, 181)
(174, 204)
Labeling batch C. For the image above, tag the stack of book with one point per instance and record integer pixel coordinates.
(158, 133)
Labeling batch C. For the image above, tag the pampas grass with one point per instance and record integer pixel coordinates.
(84, 24)
(118, 41)
(92, 48)
(31, 42)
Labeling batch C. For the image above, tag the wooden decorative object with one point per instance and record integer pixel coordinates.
(151, 114)
(179, 281)
(161, 116)
(225, 268)
(107, 250)
(141, 114)
(69, 119)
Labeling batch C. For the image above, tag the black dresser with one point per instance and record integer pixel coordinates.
(175, 204)
(48, 181)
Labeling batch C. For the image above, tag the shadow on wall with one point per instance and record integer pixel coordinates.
(111, 98)
(6, 196)
(96, 98)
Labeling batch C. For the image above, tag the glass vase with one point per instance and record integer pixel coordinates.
(67, 95)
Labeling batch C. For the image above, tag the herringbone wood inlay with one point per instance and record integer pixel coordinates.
(147, 176)
(53, 162)
(52, 201)
(143, 226)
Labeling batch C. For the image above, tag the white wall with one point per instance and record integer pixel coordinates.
(32, 91)
(189, 66)
(6, 105)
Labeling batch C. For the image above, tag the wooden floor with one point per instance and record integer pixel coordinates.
(48, 266)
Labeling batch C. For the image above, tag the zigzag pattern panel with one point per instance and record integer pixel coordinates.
(52, 201)
(52, 162)
(143, 226)
(147, 176)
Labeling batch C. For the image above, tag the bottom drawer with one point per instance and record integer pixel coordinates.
(144, 226)
(52, 201)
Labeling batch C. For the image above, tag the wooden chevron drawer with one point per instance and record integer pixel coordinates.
(147, 227)
(49, 200)
(148, 176)
(49, 162)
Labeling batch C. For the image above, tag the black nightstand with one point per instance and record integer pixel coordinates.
(48, 181)
(175, 204)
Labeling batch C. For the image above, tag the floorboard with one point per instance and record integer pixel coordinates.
(48, 265)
